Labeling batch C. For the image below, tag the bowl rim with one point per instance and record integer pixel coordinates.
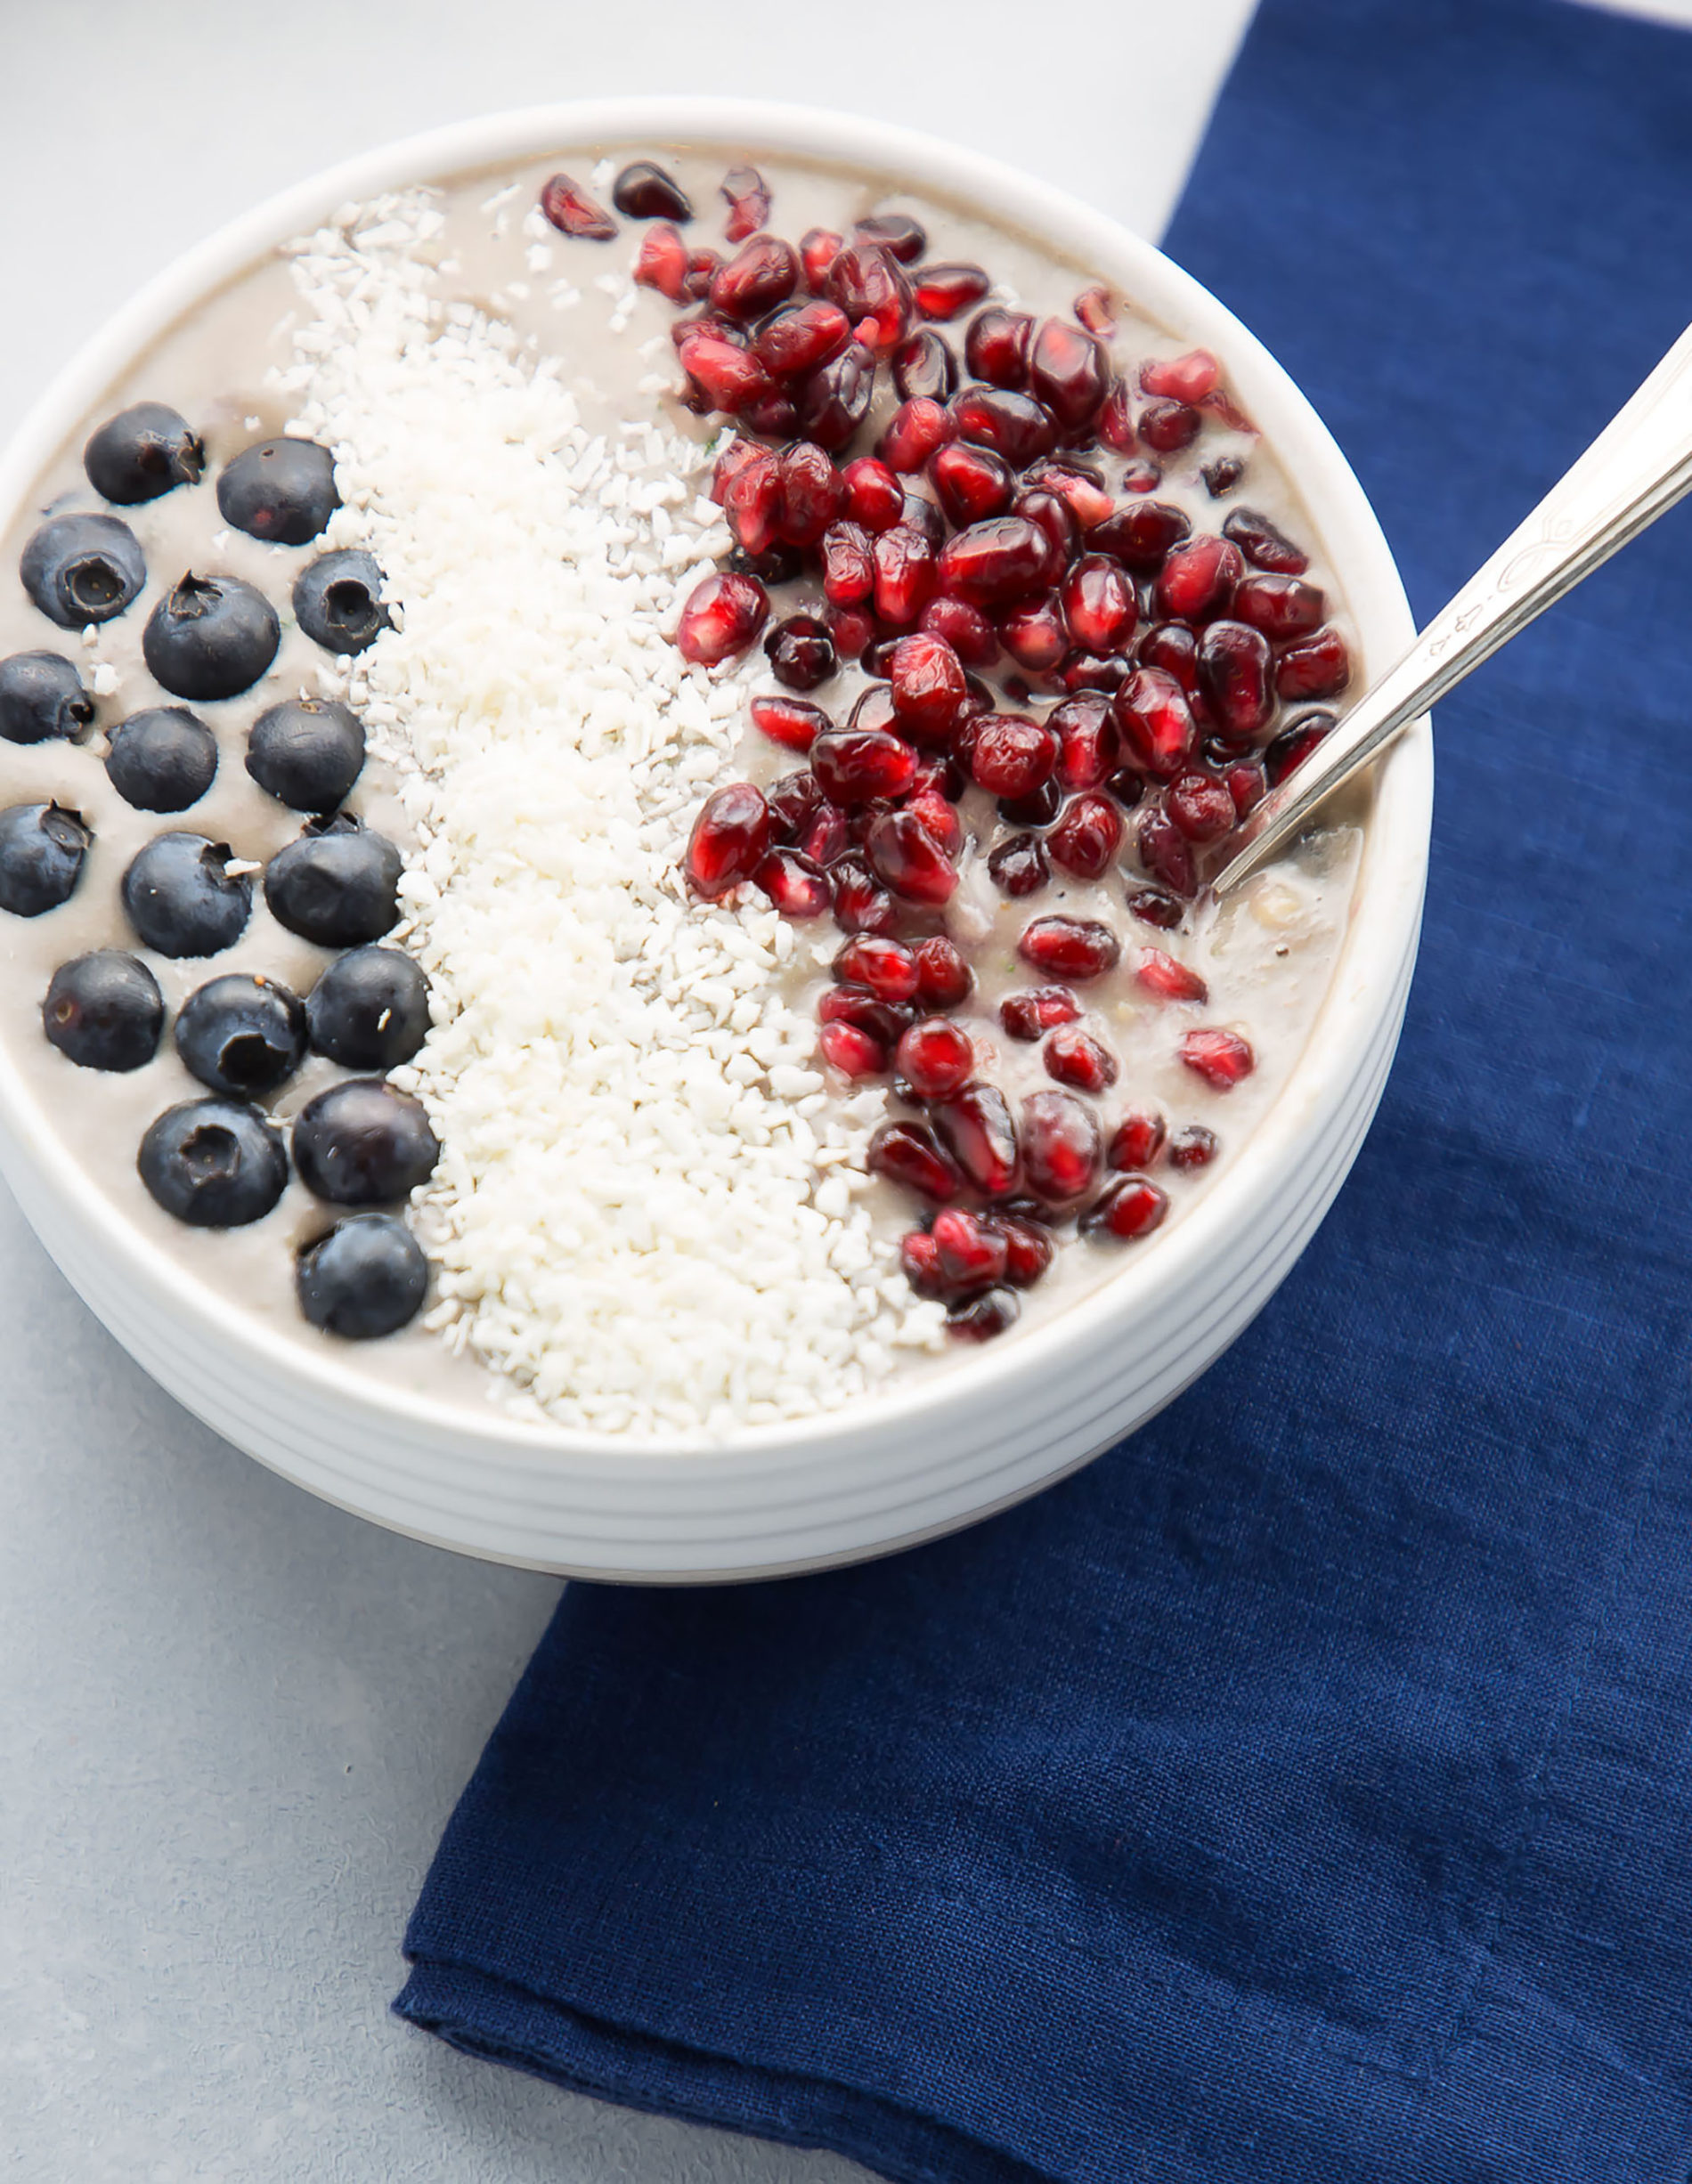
(1386, 900)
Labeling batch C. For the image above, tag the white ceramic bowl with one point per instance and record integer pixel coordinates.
(926, 1457)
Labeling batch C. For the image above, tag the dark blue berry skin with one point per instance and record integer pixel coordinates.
(365, 1279)
(337, 885)
(180, 899)
(142, 452)
(306, 753)
(162, 760)
(364, 1143)
(214, 1164)
(40, 697)
(338, 601)
(104, 1011)
(80, 569)
(281, 491)
(42, 847)
(241, 1035)
(211, 637)
(370, 1010)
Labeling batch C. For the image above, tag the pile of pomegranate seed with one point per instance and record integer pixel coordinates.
(1055, 674)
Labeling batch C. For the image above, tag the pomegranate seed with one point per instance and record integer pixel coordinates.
(1069, 371)
(1038, 807)
(1166, 852)
(870, 287)
(853, 628)
(1221, 1058)
(996, 348)
(853, 1052)
(907, 859)
(729, 378)
(1092, 672)
(1034, 636)
(748, 197)
(1152, 906)
(1319, 668)
(1174, 648)
(965, 628)
(853, 764)
(1196, 580)
(909, 1154)
(1280, 606)
(1294, 745)
(997, 562)
(1013, 426)
(1202, 807)
(919, 1260)
(802, 337)
(1223, 475)
(834, 400)
(573, 212)
(1051, 515)
(896, 231)
(812, 495)
(973, 483)
(1137, 1142)
(943, 978)
(1075, 1059)
(1246, 785)
(975, 1127)
(1070, 947)
(1169, 981)
(1140, 535)
(702, 271)
(923, 515)
(729, 841)
(1086, 742)
(1018, 867)
(848, 566)
(662, 263)
(1030, 1016)
(752, 502)
(1082, 493)
(1182, 378)
(793, 803)
(1029, 1248)
(826, 838)
(916, 429)
(1115, 421)
(1099, 603)
(762, 273)
(1060, 1142)
(790, 722)
(721, 617)
(818, 248)
(971, 1251)
(1234, 672)
(737, 456)
(1130, 1208)
(646, 192)
(934, 1057)
(860, 905)
(800, 652)
(983, 1317)
(843, 1004)
(875, 498)
(925, 365)
(1155, 720)
(1264, 545)
(1086, 837)
(776, 414)
(1011, 756)
(939, 820)
(1194, 1146)
(887, 968)
(794, 884)
(1093, 308)
(928, 687)
(1166, 426)
(942, 291)
(904, 574)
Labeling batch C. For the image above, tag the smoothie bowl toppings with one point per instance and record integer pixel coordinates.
(608, 775)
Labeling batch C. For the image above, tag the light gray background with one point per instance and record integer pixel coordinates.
(232, 1720)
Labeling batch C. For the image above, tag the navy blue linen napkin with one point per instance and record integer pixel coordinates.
(1304, 1791)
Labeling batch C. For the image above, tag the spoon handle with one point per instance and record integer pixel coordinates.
(1639, 466)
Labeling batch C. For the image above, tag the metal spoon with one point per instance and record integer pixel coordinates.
(1639, 466)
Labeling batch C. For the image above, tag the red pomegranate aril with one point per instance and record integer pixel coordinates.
(811, 493)
(794, 884)
(995, 1312)
(972, 1252)
(875, 498)
(1318, 668)
(1086, 837)
(1246, 786)
(1131, 1208)
(793, 801)
(944, 980)
(1059, 1145)
(1166, 852)
(996, 347)
(849, 565)
(882, 1020)
(942, 291)
(1174, 648)
(934, 1057)
(774, 415)
(1018, 866)
(834, 400)
(997, 562)
(1086, 742)
(702, 271)
(1011, 755)
(762, 273)
(1283, 607)
(852, 628)
(904, 575)
(1236, 670)
(853, 1052)
(1069, 371)
(748, 197)
(1094, 308)
(1034, 636)
(1221, 1058)
(924, 515)
(1099, 603)
(910, 1155)
(790, 722)
(818, 248)
(975, 1127)
(916, 429)
(1153, 907)
(906, 858)
(644, 191)
(663, 262)
(800, 652)
(1127, 787)
(1263, 545)
(573, 212)
(896, 231)
(1200, 806)
(1030, 1015)
(1070, 947)
(1075, 1057)
(925, 365)
(737, 456)
(1181, 378)
(1294, 745)
(802, 337)
(1136, 1141)
(1193, 1147)
(965, 628)
(729, 378)
(939, 820)
(721, 617)
(927, 682)
(973, 483)
(1142, 535)
(1115, 421)
(1223, 475)
(1155, 721)
(730, 840)
(1029, 1249)
(919, 1261)
(853, 764)
(1013, 426)
(752, 503)
(1196, 580)
(860, 904)
(869, 284)
(1084, 494)
(825, 838)
(1169, 981)
(885, 968)
(1085, 673)
(1038, 807)
(1167, 426)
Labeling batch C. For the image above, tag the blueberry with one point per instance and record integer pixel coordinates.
(370, 1010)
(80, 569)
(104, 1011)
(41, 696)
(162, 759)
(42, 847)
(366, 1277)
(211, 636)
(216, 1163)
(337, 885)
(181, 898)
(281, 491)
(308, 752)
(142, 452)
(338, 601)
(241, 1035)
(364, 1143)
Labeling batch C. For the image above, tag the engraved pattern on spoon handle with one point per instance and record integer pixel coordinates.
(1639, 466)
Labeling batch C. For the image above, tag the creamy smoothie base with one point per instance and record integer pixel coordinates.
(573, 352)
